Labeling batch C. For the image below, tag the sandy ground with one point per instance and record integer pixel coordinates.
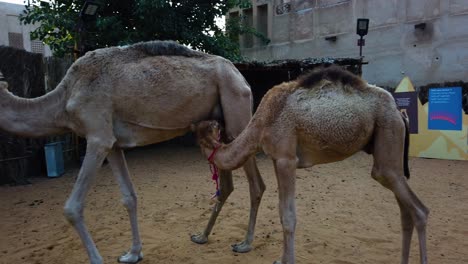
(344, 217)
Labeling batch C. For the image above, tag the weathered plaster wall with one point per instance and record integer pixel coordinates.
(394, 48)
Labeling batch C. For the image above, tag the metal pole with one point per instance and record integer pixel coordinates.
(360, 47)
(360, 55)
(360, 66)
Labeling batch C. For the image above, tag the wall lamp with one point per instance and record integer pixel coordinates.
(362, 27)
(87, 14)
(90, 9)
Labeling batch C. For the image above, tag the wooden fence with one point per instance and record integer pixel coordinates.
(26, 74)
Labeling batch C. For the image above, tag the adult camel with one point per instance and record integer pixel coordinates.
(123, 97)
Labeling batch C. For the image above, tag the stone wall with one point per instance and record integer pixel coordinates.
(434, 52)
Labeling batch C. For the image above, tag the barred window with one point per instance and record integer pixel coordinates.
(37, 46)
(15, 40)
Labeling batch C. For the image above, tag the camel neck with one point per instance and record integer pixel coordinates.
(235, 154)
(32, 117)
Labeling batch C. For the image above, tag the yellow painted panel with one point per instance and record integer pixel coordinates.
(439, 144)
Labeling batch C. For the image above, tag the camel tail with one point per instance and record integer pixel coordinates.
(406, 149)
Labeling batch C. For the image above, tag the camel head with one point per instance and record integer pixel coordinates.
(207, 133)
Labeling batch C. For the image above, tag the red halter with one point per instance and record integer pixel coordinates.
(214, 169)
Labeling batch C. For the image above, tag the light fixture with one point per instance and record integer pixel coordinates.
(362, 26)
(90, 9)
(87, 14)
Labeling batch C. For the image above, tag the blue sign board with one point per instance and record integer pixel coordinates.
(445, 108)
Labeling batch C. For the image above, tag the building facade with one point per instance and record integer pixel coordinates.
(14, 34)
(426, 40)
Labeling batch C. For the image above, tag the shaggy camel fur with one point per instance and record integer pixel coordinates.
(124, 97)
(325, 116)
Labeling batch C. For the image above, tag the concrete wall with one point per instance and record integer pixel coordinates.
(9, 22)
(394, 48)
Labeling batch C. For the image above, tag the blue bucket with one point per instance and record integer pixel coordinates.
(54, 159)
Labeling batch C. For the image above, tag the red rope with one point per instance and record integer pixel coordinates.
(215, 177)
(211, 157)
(214, 170)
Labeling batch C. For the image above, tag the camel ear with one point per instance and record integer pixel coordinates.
(193, 127)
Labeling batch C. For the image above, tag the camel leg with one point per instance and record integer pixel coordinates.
(285, 170)
(407, 227)
(413, 213)
(256, 189)
(96, 151)
(418, 214)
(226, 187)
(235, 101)
(388, 170)
(118, 165)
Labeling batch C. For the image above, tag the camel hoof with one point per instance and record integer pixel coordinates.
(199, 239)
(130, 258)
(242, 247)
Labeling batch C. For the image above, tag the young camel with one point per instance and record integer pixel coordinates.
(325, 116)
(124, 97)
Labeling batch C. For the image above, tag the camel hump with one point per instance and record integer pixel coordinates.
(165, 48)
(333, 74)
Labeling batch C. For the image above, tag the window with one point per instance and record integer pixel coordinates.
(15, 40)
(262, 20)
(248, 21)
(37, 46)
(235, 16)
